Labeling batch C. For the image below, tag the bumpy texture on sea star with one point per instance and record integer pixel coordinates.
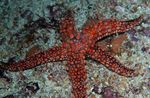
(76, 46)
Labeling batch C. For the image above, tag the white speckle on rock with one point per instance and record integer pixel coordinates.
(120, 9)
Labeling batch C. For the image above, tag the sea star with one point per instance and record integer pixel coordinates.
(78, 45)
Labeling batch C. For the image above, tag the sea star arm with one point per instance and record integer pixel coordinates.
(107, 27)
(77, 74)
(112, 26)
(67, 24)
(110, 62)
(52, 54)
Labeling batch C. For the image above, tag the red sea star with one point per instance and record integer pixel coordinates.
(76, 46)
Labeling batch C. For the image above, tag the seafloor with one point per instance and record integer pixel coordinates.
(50, 80)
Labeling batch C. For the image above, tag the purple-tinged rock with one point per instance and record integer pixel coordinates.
(134, 39)
(55, 11)
(132, 34)
(147, 32)
(107, 92)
